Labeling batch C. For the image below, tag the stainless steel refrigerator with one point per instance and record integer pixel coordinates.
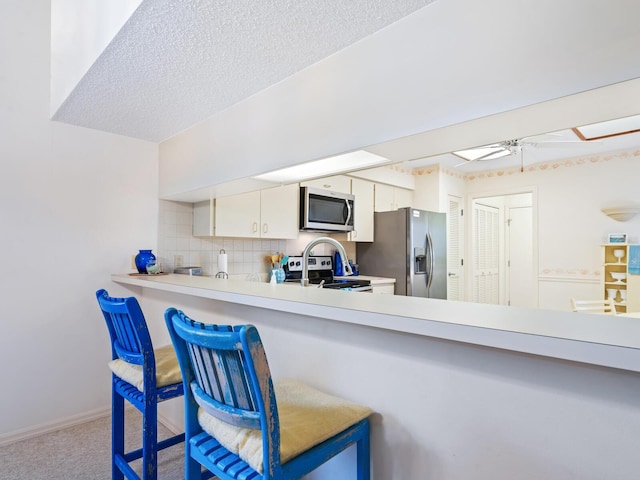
(409, 245)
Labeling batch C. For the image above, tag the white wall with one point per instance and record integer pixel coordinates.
(75, 204)
(427, 194)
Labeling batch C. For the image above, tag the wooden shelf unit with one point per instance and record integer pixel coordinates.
(627, 290)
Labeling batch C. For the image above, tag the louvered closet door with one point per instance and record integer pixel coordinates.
(486, 254)
(454, 249)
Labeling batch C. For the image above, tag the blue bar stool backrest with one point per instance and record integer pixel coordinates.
(227, 376)
(131, 343)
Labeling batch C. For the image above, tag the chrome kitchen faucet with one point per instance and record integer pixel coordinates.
(304, 281)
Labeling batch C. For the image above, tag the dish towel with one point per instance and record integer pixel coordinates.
(634, 260)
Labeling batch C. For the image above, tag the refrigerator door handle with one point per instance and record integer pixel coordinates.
(431, 260)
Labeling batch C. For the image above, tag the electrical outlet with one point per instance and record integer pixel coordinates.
(133, 262)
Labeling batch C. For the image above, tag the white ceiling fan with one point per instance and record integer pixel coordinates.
(517, 147)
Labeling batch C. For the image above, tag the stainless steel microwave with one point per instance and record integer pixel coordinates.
(326, 211)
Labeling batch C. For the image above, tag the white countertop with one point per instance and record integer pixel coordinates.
(612, 341)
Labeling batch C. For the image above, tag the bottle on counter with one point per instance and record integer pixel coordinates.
(354, 268)
(337, 264)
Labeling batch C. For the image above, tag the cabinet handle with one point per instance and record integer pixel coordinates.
(265, 228)
(255, 227)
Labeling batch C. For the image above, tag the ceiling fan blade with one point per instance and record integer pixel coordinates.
(488, 156)
(543, 136)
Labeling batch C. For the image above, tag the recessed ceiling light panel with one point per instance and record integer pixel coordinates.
(346, 162)
(612, 128)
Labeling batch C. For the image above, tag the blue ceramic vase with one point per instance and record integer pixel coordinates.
(142, 258)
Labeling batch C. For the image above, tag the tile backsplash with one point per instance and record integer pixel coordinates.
(245, 257)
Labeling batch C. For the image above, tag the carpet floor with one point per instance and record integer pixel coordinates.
(83, 452)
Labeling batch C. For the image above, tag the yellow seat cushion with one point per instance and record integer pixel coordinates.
(167, 369)
(307, 418)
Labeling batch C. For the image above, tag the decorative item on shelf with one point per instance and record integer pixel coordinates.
(612, 293)
(618, 277)
(152, 267)
(619, 254)
(623, 296)
(621, 213)
(142, 259)
(617, 238)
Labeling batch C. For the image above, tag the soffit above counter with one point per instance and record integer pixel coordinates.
(174, 64)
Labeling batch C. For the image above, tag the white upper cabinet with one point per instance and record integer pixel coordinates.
(203, 218)
(238, 215)
(403, 197)
(363, 216)
(279, 212)
(270, 213)
(388, 197)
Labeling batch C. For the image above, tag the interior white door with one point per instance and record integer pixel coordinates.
(455, 236)
(486, 254)
(521, 291)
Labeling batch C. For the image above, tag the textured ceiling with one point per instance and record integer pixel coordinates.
(177, 62)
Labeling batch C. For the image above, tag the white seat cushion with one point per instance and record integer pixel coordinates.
(307, 418)
(167, 369)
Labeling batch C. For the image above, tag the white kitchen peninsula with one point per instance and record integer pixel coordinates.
(460, 390)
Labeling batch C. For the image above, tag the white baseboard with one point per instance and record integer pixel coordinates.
(18, 435)
(30, 432)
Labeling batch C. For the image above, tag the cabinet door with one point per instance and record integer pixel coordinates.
(279, 212)
(238, 215)
(383, 198)
(388, 197)
(363, 218)
(402, 197)
(203, 218)
(385, 288)
(336, 183)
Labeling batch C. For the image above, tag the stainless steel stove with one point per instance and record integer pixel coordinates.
(321, 274)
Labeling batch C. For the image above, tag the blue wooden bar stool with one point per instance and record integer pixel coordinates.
(141, 376)
(241, 425)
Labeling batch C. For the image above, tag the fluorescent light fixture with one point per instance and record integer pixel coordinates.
(483, 153)
(611, 128)
(346, 162)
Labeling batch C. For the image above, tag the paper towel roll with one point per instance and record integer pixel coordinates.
(222, 263)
